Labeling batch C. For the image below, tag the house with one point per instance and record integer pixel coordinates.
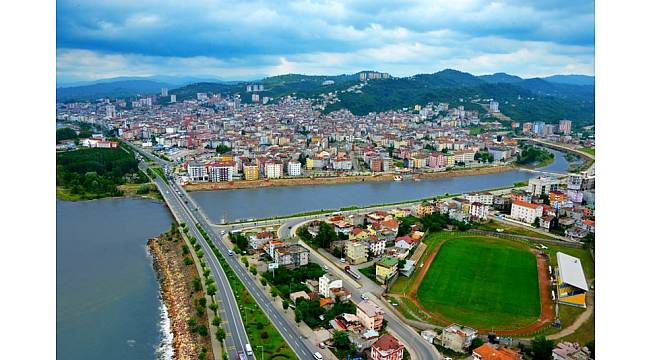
(387, 347)
(358, 233)
(489, 351)
(409, 267)
(386, 268)
(404, 242)
(424, 209)
(457, 338)
(298, 295)
(291, 256)
(570, 351)
(327, 283)
(356, 252)
(370, 315)
(257, 241)
(548, 222)
(526, 212)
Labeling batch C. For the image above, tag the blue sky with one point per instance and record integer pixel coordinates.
(251, 39)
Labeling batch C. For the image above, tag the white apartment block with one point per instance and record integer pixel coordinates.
(197, 171)
(273, 170)
(326, 283)
(294, 168)
(483, 198)
(479, 211)
(221, 171)
(526, 212)
(543, 185)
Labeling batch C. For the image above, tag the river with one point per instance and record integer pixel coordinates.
(108, 304)
(239, 204)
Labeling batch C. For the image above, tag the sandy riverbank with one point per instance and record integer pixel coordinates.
(243, 184)
(176, 290)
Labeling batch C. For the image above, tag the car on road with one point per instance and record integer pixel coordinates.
(318, 356)
(364, 296)
(229, 252)
(342, 260)
(241, 355)
(223, 232)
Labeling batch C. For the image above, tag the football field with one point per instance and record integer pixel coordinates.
(482, 282)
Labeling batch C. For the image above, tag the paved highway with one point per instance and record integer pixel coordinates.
(232, 323)
(189, 213)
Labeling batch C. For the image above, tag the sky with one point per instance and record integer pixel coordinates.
(243, 40)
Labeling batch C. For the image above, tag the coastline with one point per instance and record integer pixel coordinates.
(174, 278)
(247, 184)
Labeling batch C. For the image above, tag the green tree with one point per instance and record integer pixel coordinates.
(211, 290)
(202, 330)
(221, 334)
(341, 340)
(542, 348)
(216, 320)
(285, 304)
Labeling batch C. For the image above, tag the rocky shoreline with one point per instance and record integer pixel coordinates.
(175, 287)
(243, 184)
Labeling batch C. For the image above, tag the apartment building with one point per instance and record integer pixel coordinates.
(273, 170)
(291, 256)
(525, 211)
(370, 315)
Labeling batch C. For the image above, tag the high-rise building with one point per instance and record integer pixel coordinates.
(249, 88)
(255, 98)
(565, 127)
(163, 91)
(538, 127)
(172, 98)
(110, 111)
(494, 107)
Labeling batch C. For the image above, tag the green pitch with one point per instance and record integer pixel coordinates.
(482, 282)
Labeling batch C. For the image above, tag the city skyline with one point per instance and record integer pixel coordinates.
(252, 40)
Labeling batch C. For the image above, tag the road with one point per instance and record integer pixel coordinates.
(232, 323)
(189, 213)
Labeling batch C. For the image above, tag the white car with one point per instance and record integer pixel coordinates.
(318, 356)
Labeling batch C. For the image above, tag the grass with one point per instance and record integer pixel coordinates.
(370, 273)
(590, 151)
(511, 229)
(498, 288)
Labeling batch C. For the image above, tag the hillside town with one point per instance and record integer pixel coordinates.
(216, 138)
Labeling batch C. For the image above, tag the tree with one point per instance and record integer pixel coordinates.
(202, 330)
(401, 263)
(274, 292)
(341, 340)
(542, 348)
(211, 290)
(221, 334)
(298, 315)
(536, 222)
(476, 342)
(216, 320)
(285, 304)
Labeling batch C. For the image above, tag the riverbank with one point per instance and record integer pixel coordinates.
(181, 297)
(247, 184)
(128, 191)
